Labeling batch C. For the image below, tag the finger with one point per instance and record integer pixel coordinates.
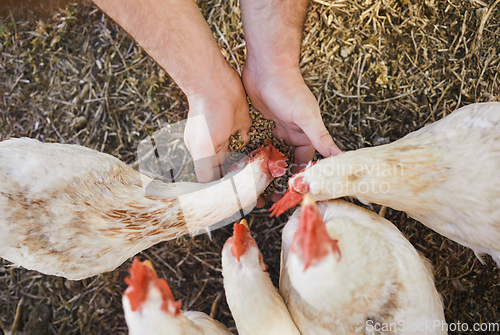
(245, 135)
(204, 169)
(261, 202)
(222, 157)
(205, 160)
(320, 137)
(244, 127)
(276, 196)
(303, 155)
(199, 143)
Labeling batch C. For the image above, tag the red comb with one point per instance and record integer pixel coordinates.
(241, 239)
(138, 284)
(275, 161)
(311, 235)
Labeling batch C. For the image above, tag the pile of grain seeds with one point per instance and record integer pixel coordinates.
(261, 131)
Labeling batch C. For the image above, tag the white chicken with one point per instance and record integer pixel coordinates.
(355, 275)
(150, 307)
(70, 211)
(255, 303)
(445, 175)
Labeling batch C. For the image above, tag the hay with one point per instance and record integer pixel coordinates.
(379, 69)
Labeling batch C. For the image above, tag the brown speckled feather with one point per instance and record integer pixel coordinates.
(74, 212)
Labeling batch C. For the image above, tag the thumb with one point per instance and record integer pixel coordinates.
(204, 169)
(320, 137)
(199, 143)
(204, 160)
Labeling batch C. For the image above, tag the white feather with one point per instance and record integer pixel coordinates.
(379, 278)
(151, 319)
(70, 211)
(444, 175)
(255, 303)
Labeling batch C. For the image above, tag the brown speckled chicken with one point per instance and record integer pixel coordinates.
(445, 175)
(70, 211)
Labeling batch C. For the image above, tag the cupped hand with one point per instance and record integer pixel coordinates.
(215, 113)
(281, 95)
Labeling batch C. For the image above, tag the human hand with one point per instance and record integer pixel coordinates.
(281, 95)
(215, 113)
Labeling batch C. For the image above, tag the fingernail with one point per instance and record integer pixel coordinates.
(334, 151)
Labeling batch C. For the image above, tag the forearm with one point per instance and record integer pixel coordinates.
(175, 35)
(273, 30)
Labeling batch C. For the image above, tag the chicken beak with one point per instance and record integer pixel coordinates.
(148, 263)
(245, 223)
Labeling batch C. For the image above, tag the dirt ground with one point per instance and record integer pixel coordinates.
(379, 69)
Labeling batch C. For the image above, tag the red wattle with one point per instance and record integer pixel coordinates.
(289, 200)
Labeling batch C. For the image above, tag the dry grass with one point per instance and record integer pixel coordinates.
(379, 68)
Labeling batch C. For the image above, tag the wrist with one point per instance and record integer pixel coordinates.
(216, 92)
(213, 75)
(273, 30)
(272, 62)
(262, 74)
